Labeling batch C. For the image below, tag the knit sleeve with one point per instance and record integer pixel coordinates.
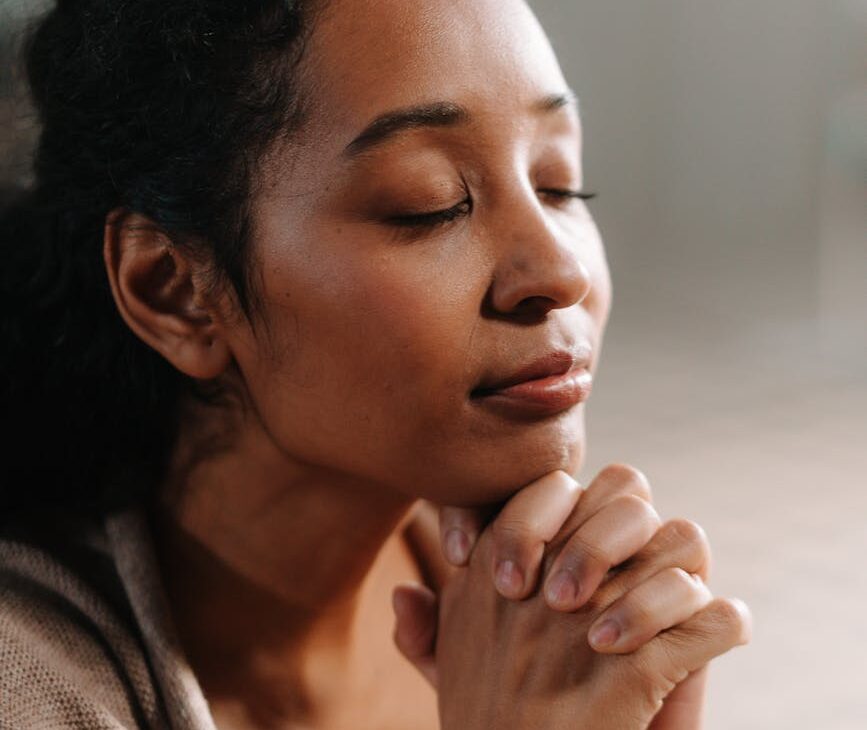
(65, 662)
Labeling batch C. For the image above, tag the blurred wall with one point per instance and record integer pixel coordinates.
(843, 222)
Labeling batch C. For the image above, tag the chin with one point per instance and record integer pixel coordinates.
(467, 462)
(493, 478)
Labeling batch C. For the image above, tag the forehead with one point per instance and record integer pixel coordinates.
(365, 57)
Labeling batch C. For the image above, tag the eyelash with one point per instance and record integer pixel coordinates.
(441, 217)
(569, 194)
(432, 220)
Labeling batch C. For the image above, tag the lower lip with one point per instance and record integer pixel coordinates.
(542, 397)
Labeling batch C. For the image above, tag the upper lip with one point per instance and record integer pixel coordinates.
(557, 362)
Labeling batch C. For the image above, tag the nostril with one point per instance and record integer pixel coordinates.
(533, 310)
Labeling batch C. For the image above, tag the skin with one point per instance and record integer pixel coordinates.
(542, 669)
(644, 578)
(352, 388)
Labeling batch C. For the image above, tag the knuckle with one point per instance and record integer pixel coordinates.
(629, 476)
(687, 530)
(733, 619)
(691, 533)
(680, 576)
(639, 509)
(692, 583)
(685, 578)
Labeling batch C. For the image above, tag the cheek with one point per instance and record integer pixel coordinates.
(408, 328)
(599, 306)
(367, 360)
(598, 301)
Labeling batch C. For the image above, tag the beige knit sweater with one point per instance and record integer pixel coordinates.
(85, 636)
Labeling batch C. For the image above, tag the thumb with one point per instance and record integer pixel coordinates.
(416, 615)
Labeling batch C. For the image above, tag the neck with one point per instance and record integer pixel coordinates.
(271, 567)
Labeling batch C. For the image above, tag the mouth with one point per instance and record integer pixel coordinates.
(547, 386)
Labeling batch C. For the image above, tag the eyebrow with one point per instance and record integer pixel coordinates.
(436, 114)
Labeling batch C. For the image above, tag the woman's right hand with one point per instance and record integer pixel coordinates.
(517, 664)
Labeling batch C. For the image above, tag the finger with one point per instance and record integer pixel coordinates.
(667, 599)
(459, 530)
(669, 658)
(416, 613)
(682, 543)
(615, 480)
(528, 521)
(679, 543)
(615, 533)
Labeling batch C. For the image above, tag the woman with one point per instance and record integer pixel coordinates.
(290, 274)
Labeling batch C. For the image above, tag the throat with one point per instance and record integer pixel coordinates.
(345, 673)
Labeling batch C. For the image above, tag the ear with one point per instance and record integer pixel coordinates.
(161, 296)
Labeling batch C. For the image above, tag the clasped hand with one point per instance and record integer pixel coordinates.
(571, 609)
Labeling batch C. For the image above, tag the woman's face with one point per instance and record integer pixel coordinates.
(381, 318)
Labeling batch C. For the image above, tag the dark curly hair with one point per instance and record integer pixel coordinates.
(162, 107)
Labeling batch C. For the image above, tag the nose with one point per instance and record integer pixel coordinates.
(539, 265)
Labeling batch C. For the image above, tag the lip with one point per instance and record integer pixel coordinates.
(547, 386)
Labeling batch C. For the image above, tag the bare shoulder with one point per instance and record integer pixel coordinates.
(422, 536)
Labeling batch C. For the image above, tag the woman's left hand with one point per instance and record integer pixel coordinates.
(584, 536)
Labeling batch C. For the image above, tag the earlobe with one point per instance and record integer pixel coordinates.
(159, 296)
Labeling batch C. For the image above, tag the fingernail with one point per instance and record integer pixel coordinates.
(561, 589)
(509, 579)
(605, 634)
(457, 546)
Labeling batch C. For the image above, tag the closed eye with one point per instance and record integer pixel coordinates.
(462, 209)
(434, 218)
(565, 194)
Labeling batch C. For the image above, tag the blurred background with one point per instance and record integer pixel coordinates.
(728, 142)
